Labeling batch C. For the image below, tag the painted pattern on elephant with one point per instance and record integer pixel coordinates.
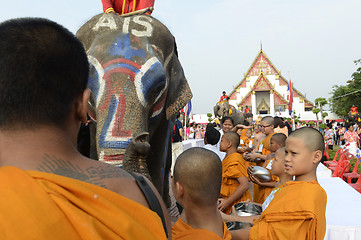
(138, 85)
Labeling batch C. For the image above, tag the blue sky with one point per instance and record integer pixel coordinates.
(312, 42)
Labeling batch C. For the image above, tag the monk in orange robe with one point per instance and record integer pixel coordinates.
(278, 141)
(49, 190)
(297, 210)
(42, 205)
(235, 183)
(246, 143)
(196, 184)
(267, 126)
(278, 168)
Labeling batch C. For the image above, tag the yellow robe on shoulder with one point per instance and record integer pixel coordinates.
(233, 167)
(296, 212)
(38, 205)
(182, 231)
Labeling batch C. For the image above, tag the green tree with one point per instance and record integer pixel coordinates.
(320, 103)
(316, 111)
(209, 115)
(344, 96)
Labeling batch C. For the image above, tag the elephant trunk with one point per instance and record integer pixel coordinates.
(135, 157)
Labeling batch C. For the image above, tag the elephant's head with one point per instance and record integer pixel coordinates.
(138, 85)
(221, 109)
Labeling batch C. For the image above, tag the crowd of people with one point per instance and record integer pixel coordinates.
(343, 135)
(51, 191)
(293, 203)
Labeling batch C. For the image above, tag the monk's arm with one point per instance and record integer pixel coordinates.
(240, 126)
(231, 218)
(242, 234)
(263, 184)
(237, 194)
(258, 155)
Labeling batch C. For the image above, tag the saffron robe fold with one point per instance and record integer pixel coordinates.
(263, 192)
(297, 211)
(183, 231)
(233, 167)
(258, 192)
(40, 205)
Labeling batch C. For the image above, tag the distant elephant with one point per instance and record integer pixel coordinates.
(354, 118)
(222, 110)
(138, 85)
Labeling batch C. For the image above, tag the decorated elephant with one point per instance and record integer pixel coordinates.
(353, 118)
(138, 85)
(225, 109)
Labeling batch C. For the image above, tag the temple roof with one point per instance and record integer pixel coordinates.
(262, 66)
(262, 84)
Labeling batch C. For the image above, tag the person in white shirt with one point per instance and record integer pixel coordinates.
(211, 139)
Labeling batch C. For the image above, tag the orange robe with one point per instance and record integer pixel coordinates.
(233, 167)
(41, 206)
(297, 212)
(258, 192)
(183, 231)
(263, 192)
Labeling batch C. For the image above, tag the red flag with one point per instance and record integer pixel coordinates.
(290, 96)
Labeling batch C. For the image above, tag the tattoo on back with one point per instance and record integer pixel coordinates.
(94, 175)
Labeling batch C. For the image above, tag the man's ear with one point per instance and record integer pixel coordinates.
(82, 106)
(317, 156)
(179, 191)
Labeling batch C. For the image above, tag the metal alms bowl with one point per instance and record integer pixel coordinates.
(238, 225)
(261, 174)
(247, 209)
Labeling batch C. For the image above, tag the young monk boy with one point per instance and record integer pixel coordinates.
(297, 210)
(278, 140)
(246, 139)
(267, 126)
(235, 183)
(258, 136)
(196, 185)
(278, 169)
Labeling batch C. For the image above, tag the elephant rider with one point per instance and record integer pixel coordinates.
(353, 110)
(128, 6)
(247, 110)
(50, 190)
(224, 98)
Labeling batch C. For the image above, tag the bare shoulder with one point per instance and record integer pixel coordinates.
(94, 172)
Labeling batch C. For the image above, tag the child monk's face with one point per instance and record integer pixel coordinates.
(299, 159)
(249, 134)
(278, 164)
(273, 145)
(224, 144)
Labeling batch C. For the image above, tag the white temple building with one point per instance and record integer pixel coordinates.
(264, 90)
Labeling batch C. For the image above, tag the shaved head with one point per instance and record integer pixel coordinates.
(200, 172)
(312, 138)
(268, 119)
(233, 137)
(279, 138)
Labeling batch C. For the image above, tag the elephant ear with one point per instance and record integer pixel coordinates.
(179, 92)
